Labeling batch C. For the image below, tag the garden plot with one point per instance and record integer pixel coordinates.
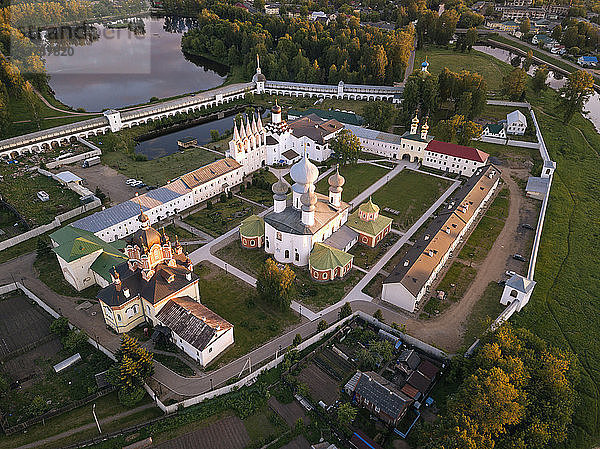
(227, 433)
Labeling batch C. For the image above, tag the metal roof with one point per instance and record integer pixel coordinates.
(372, 134)
(341, 238)
(109, 217)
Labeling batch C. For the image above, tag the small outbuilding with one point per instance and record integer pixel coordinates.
(327, 263)
(67, 177)
(370, 225)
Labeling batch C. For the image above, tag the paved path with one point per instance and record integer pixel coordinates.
(356, 294)
(64, 111)
(92, 425)
(191, 229)
(220, 153)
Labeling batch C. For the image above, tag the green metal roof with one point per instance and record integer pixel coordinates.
(344, 117)
(105, 262)
(253, 226)
(371, 227)
(495, 128)
(74, 243)
(369, 207)
(324, 257)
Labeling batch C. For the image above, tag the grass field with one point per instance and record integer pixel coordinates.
(475, 61)
(21, 192)
(365, 256)
(118, 147)
(309, 292)
(484, 312)
(358, 178)
(565, 305)
(455, 283)
(255, 322)
(489, 227)
(411, 193)
(222, 216)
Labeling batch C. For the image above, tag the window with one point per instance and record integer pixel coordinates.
(279, 236)
(287, 253)
(297, 256)
(210, 349)
(513, 293)
(267, 241)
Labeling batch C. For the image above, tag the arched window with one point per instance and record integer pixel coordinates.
(297, 256)
(267, 241)
(287, 253)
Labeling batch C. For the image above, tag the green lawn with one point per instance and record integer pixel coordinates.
(365, 256)
(258, 195)
(489, 227)
(455, 283)
(222, 216)
(156, 171)
(317, 295)
(484, 312)
(410, 193)
(304, 103)
(255, 322)
(475, 61)
(174, 364)
(358, 178)
(21, 190)
(565, 304)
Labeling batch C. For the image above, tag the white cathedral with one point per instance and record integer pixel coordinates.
(279, 142)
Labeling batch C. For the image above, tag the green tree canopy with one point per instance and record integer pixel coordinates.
(275, 284)
(573, 95)
(514, 84)
(345, 147)
(379, 115)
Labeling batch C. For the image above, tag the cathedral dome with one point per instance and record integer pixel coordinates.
(146, 238)
(336, 180)
(308, 200)
(276, 109)
(280, 187)
(304, 171)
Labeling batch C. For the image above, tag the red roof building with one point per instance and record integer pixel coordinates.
(458, 151)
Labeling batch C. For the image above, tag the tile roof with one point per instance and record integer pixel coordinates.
(192, 321)
(314, 127)
(454, 150)
(372, 134)
(209, 172)
(324, 257)
(428, 369)
(416, 267)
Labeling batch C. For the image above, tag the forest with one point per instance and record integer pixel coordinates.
(293, 49)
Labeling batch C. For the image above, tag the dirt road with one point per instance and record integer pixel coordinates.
(446, 331)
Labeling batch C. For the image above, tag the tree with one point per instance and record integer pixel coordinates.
(471, 38)
(43, 248)
(297, 340)
(525, 26)
(378, 315)
(75, 341)
(214, 135)
(322, 326)
(528, 60)
(557, 33)
(345, 311)
(345, 147)
(346, 414)
(573, 95)
(275, 284)
(259, 4)
(60, 327)
(383, 348)
(539, 81)
(514, 84)
(516, 392)
(379, 115)
(133, 366)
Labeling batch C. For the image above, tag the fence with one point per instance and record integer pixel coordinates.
(79, 157)
(52, 413)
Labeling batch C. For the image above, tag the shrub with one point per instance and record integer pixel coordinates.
(60, 327)
(132, 396)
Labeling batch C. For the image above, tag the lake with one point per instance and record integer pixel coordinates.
(113, 68)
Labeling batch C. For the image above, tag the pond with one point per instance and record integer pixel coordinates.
(116, 67)
(555, 81)
(167, 143)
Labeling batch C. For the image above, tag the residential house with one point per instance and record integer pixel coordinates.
(516, 123)
(494, 130)
(587, 61)
(378, 395)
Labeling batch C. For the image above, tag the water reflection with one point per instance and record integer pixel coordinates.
(555, 80)
(117, 67)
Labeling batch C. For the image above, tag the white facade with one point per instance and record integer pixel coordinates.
(221, 341)
(516, 123)
(499, 133)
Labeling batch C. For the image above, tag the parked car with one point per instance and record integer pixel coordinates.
(136, 184)
(527, 226)
(519, 257)
(142, 185)
(510, 273)
(148, 188)
(130, 181)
